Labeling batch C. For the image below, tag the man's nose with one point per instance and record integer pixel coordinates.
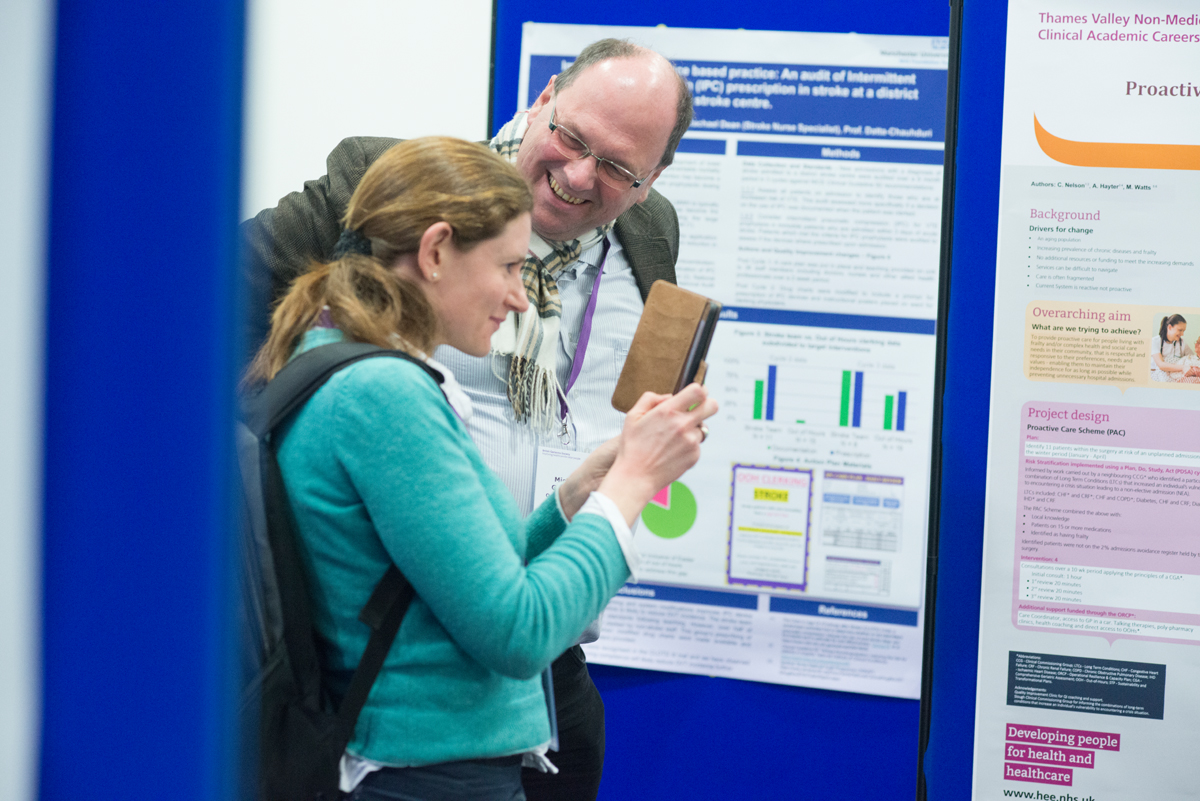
(581, 173)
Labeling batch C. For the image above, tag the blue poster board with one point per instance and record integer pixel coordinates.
(950, 754)
(138, 635)
(677, 736)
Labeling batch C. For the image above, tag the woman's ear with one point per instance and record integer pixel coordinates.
(433, 254)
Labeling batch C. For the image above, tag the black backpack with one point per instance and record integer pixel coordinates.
(293, 732)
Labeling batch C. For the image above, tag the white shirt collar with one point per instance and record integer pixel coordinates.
(460, 402)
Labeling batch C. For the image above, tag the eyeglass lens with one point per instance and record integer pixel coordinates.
(573, 147)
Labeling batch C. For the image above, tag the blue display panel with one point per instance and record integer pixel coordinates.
(138, 654)
(644, 708)
(948, 758)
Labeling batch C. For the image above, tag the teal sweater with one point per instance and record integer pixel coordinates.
(379, 469)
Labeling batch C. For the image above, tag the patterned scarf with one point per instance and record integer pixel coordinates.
(529, 341)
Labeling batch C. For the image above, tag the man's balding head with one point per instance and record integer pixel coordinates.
(629, 106)
(606, 49)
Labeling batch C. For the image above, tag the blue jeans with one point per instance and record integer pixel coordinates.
(471, 780)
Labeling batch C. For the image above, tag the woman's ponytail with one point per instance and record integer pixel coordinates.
(367, 301)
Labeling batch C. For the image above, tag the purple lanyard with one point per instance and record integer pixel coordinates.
(585, 335)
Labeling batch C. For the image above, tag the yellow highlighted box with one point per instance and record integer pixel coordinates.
(764, 494)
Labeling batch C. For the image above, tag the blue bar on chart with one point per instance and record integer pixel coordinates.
(856, 420)
(771, 392)
(901, 400)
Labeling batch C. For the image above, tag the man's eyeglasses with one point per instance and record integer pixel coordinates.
(573, 147)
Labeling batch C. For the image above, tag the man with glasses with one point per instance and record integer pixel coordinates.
(590, 147)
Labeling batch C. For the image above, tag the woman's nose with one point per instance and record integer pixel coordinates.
(518, 299)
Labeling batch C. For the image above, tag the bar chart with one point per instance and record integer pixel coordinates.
(894, 406)
(803, 392)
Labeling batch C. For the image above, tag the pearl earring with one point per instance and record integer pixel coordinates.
(435, 276)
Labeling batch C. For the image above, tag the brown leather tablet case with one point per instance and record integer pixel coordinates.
(669, 345)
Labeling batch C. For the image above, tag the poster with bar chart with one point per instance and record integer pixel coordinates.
(794, 551)
(836, 400)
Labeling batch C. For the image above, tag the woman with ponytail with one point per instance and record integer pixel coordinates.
(1170, 357)
(379, 469)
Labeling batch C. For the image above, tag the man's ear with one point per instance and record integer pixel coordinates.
(543, 99)
(644, 190)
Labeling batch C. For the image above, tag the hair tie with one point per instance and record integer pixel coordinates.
(351, 241)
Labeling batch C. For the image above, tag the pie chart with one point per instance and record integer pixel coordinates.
(671, 512)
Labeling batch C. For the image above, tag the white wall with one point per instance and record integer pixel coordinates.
(320, 70)
(25, 63)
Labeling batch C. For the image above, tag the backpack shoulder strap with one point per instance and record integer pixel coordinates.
(292, 386)
(383, 613)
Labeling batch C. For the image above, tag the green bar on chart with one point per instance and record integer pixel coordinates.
(844, 420)
(758, 399)
(887, 412)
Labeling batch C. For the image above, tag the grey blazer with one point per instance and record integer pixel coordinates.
(279, 244)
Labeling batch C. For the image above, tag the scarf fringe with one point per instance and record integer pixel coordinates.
(533, 391)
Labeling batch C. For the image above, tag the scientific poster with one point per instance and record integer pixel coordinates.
(809, 197)
(1089, 657)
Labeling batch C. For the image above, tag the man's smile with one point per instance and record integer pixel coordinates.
(558, 190)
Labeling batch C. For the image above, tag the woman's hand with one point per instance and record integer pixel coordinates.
(659, 443)
(587, 477)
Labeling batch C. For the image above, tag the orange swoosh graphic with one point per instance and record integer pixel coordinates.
(1114, 154)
